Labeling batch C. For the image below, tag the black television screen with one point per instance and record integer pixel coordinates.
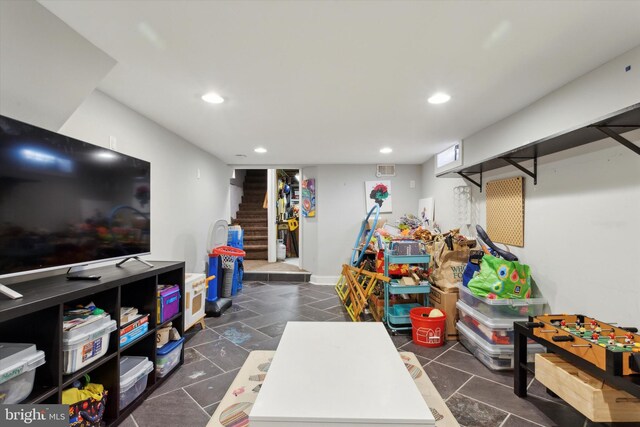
(66, 202)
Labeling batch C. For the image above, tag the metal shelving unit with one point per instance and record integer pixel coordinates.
(396, 317)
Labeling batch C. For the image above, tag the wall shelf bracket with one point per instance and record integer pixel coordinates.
(474, 182)
(621, 139)
(517, 165)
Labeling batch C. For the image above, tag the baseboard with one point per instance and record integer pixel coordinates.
(323, 280)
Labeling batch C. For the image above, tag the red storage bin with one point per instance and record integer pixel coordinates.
(427, 331)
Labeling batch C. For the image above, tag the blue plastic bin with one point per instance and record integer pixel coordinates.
(235, 239)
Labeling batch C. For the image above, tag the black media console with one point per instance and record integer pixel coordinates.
(37, 318)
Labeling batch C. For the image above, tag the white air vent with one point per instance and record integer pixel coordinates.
(385, 170)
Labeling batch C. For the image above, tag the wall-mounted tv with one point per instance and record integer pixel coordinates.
(65, 202)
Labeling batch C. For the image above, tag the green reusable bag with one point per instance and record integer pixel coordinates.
(501, 279)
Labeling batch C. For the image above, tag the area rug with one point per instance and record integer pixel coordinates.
(235, 406)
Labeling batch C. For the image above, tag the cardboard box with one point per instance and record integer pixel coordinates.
(162, 335)
(446, 302)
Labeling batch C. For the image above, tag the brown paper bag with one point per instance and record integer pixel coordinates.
(449, 266)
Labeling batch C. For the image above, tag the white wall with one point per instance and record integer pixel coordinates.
(236, 192)
(329, 238)
(183, 206)
(581, 227)
(596, 94)
(442, 193)
(581, 220)
(46, 68)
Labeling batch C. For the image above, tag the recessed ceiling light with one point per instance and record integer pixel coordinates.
(386, 150)
(212, 98)
(439, 98)
(260, 150)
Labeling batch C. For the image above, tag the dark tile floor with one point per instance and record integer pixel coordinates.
(476, 395)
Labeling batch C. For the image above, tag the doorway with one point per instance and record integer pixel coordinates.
(287, 206)
(266, 204)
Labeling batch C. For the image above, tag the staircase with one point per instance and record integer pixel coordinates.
(252, 217)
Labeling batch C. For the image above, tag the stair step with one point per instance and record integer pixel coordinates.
(250, 205)
(257, 255)
(255, 238)
(242, 216)
(253, 230)
(259, 240)
(253, 247)
(253, 199)
(252, 221)
(252, 212)
(256, 193)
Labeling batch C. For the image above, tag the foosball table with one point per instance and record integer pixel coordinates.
(603, 350)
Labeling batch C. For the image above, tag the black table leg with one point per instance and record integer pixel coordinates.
(519, 365)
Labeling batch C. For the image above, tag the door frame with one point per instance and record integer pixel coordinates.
(272, 191)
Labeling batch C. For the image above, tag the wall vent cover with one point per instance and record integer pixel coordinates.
(385, 170)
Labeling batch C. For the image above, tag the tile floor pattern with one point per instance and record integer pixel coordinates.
(476, 395)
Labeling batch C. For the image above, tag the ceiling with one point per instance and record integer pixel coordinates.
(319, 82)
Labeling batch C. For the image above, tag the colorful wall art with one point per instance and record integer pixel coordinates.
(378, 192)
(309, 198)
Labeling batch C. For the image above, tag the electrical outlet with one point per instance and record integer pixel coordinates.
(198, 173)
(412, 184)
(113, 143)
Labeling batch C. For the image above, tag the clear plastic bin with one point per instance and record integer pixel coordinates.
(496, 357)
(134, 372)
(495, 331)
(86, 344)
(503, 308)
(18, 363)
(168, 357)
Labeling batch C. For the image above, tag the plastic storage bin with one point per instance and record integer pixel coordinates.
(496, 357)
(399, 313)
(86, 344)
(168, 302)
(503, 308)
(235, 237)
(18, 363)
(168, 357)
(495, 331)
(134, 372)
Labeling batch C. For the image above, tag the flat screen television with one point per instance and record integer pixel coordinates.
(65, 202)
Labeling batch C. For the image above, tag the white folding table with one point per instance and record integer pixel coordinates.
(338, 374)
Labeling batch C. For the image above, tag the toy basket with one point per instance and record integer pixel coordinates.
(228, 256)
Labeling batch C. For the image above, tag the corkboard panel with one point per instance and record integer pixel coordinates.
(505, 211)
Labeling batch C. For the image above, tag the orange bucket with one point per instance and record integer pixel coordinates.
(427, 331)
